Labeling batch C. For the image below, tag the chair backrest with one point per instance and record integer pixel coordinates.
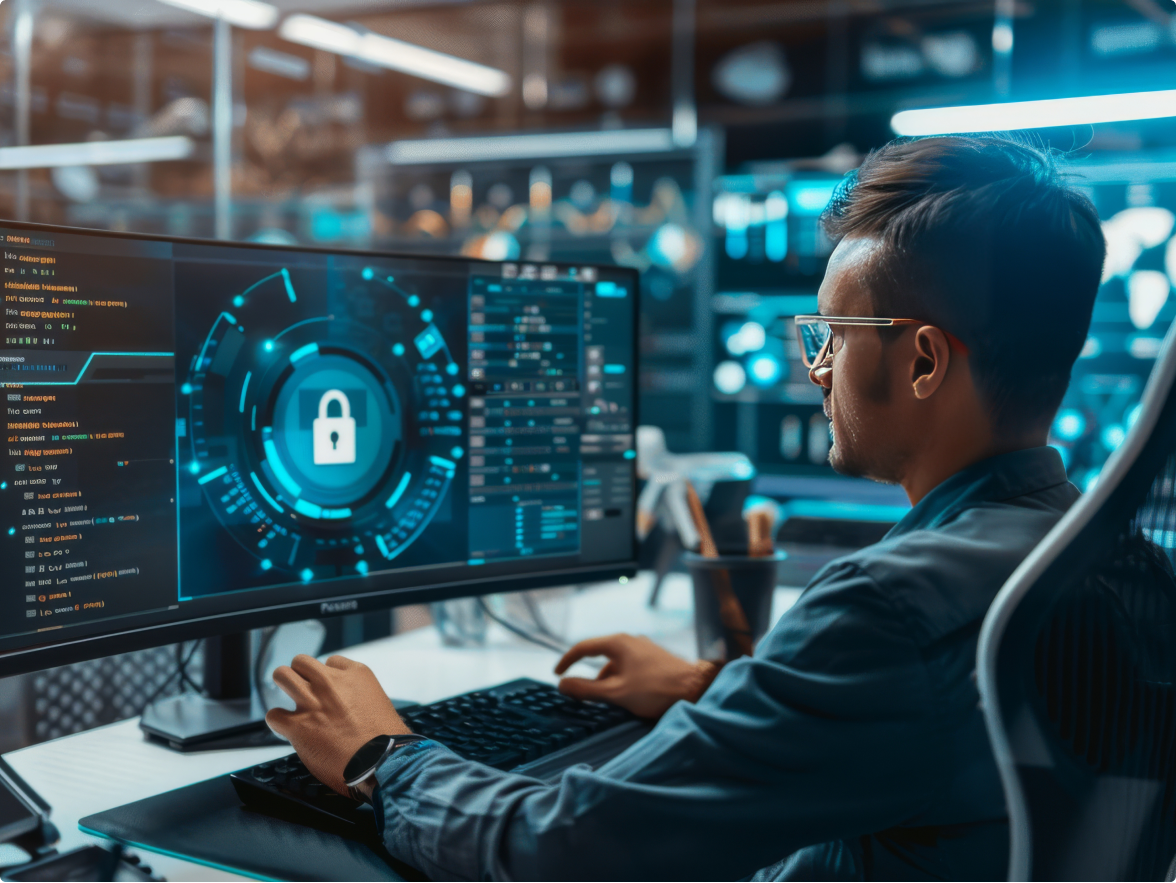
(1077, 670)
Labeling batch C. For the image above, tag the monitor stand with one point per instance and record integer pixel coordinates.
(226, 715)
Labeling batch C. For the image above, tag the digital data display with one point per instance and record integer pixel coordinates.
(197, 429)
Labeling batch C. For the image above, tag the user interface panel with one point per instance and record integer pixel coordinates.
(197, 428)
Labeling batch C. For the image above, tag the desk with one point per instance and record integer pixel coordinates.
(109, 766)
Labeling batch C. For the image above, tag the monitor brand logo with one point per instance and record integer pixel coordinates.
(338, 606)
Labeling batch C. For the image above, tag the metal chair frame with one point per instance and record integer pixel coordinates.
(1127, 476)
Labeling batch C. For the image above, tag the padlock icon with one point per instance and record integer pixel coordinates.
(334, 437)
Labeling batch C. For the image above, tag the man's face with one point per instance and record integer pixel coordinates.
(857, 384)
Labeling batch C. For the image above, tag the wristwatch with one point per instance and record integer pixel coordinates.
(367, 760)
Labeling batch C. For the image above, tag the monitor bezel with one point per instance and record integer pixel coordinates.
(81, 648)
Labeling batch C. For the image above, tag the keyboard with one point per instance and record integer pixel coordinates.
(524, 726)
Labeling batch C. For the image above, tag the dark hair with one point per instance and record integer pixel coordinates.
(983, 237)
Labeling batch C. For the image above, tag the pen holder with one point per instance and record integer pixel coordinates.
(752, 581)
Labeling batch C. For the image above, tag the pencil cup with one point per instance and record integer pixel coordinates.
(751, 580)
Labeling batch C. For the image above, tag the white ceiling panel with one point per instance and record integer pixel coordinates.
(148, 14)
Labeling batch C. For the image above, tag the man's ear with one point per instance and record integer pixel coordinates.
(932, 357)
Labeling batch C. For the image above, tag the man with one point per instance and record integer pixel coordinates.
(851, 745)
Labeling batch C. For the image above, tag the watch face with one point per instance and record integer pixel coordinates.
(366, 758)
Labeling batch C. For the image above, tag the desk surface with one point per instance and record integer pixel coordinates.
(106, 767)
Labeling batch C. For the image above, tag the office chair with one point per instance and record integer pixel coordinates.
(1077, 670)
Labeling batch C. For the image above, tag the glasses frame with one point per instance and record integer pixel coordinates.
(870, 321)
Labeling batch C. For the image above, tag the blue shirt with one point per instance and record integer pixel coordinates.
(851, 745)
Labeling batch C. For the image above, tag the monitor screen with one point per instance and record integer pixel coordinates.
(206, 437)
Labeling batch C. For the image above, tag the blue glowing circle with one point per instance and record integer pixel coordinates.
(765, 370)
(307, 575)
(451, 368)
(266, 564)
(413, 300)
(398, 349)
(368, 274)
(194, 468)
(238, 301)
(426, 315)
(1113, 436)
(1069, 425)
(729, 377)
(456, 453)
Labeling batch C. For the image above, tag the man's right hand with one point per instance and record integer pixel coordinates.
(639, 676)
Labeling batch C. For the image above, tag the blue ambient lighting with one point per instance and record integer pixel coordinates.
(765, 370)
(1069, 425)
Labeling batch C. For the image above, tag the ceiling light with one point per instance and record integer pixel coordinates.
(1042, 114)
(541, 145)
(97, 153)
(408, 58)
(252, 14)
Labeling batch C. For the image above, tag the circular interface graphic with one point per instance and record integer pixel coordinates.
(336, 458)
(325, 444)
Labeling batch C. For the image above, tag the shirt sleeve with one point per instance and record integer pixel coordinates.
(828, 732)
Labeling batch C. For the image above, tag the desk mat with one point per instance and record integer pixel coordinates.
(206, 823)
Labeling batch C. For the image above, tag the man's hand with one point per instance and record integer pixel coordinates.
(640, 676)
(340, 707)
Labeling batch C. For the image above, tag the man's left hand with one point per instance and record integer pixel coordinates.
(340, 707)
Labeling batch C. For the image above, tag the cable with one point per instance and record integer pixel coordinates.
(180, 672)
(263, 645)
(523, 633)
(184, 679)
(537, 618)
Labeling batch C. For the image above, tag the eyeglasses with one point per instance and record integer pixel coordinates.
(814, 333)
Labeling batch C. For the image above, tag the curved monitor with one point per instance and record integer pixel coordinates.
(204, 437)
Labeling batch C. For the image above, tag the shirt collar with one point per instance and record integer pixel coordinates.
(1002, 477)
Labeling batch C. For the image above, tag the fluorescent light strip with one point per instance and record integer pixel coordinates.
(252, 14)
(97, 153)
(1014, 115)
(408, 58)
(539, 146)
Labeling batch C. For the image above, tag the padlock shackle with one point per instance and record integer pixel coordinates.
(335, 395)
